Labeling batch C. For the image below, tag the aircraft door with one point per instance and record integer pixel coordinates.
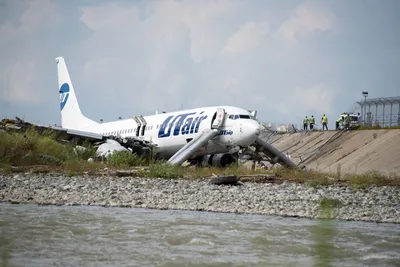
(219, 119)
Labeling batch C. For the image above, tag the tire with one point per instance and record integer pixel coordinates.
(224, 180)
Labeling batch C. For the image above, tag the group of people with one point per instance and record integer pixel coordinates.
(311, 122)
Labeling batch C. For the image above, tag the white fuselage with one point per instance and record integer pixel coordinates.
(171, 131)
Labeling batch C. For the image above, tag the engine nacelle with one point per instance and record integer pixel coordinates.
(218, 160)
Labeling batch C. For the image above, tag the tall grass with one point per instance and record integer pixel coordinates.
(372, 178)
(30, 148)
(125, 159)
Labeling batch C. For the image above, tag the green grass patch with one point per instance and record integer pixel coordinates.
(330, 203)
(372, 178)
(125, 159)
(326, 207)
(31, 148)
(164, 170)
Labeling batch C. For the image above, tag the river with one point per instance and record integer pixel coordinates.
(32, 235)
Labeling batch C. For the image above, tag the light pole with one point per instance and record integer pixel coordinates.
(365, 94)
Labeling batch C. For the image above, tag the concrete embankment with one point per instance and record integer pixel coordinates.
(349, 151)
(379, 204)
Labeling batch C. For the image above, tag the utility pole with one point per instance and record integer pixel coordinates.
(365, 94)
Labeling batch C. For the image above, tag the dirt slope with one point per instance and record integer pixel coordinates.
(351, 152)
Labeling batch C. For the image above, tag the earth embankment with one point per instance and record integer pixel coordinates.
(351, 152)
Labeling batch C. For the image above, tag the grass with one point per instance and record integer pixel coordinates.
(326, 207)
(125, 159)
(41, 153)
(31, 148)
(372, 178)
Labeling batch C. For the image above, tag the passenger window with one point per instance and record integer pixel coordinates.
(244, 116)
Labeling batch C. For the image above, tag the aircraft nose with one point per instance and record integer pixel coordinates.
(253, 130)
(257, 129)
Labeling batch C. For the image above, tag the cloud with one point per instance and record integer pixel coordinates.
(307, 19)
(169, 32)
(319, 98)
(35, 15)
(247, 37)
(141, 56)
(17, 82)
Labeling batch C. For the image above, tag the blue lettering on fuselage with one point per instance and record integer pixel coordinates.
(181, 124)
(226, 132)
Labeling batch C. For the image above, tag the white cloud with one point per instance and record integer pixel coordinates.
(17, 82)
(247, 37)
(37, 14)
(306, 19)
(136, 57)
(153, 45)
(319, 98)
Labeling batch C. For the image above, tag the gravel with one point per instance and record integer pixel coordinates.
(377, 204)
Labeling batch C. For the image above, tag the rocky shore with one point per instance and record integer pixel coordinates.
(378, 204)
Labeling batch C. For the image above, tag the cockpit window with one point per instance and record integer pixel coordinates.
(241, 116)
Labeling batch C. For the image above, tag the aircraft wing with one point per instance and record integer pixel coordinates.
(136, 145)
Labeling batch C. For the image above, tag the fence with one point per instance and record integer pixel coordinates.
(382, 111)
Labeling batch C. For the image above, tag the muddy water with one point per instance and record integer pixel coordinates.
(33, 235)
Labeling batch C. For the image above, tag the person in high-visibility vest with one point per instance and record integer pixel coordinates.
(338, 122)
(305, 123)
(312, 122)
(324, 121)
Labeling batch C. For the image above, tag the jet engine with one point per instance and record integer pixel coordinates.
(218, 160)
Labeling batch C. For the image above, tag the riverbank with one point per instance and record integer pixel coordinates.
(377, 204)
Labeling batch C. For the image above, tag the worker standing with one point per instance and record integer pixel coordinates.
(324, 121)
(338, 122)
(305, 123)
(312, 122)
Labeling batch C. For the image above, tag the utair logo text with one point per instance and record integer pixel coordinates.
(187, 123)
(64, 93)
(226, 132)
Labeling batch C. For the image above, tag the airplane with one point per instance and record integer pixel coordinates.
(210, 135)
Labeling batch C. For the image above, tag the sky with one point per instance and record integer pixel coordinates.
(285, 59)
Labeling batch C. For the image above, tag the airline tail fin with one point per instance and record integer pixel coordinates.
(71, 115)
